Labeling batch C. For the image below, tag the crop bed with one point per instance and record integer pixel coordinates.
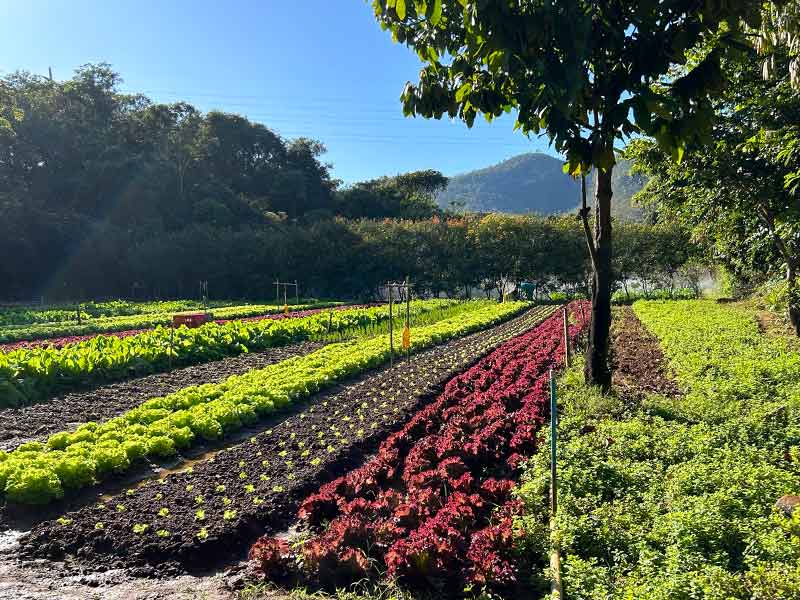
(58, 342)
(199, 517)
(31, 375)
(37, 421)
(71, 330)
(423, 509)
(640, 367)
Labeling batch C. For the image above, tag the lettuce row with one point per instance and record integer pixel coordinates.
(38, 473)
(28, 375)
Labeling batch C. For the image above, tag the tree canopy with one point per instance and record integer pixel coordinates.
(738, 194)
(586, 74)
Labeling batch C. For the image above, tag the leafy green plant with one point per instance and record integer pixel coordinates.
(30, 374)
(161, 425)
(675, 498)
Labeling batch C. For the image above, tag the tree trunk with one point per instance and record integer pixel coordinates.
(793, 301)
(597, 370)
(792, 266)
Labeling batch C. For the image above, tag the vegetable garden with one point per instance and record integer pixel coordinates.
(30, 374)
(311, 461)
(68, 330)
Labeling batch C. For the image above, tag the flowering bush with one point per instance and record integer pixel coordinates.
(424, 509)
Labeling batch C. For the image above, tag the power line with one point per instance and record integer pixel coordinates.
(325, 99)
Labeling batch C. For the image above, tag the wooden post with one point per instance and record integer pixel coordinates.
(296, 292)
(555, 554)
(277, 293)
(78, 310)
(391, 329)
(408, 319)
(567, 350)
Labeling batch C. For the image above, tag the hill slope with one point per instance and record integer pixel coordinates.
(534, 183)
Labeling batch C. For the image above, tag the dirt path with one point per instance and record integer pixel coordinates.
(200, 518)
(640, 367)
(18, 582)
(37, 421)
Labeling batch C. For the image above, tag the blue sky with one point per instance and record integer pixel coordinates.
(314, 68)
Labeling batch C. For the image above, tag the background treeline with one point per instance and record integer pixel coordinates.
(345, 258)
(109, 194)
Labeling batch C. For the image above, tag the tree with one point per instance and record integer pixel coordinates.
(583, 72)
(181, 145)
(733, 193)
(406, 196)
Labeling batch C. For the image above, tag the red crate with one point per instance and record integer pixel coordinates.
(191, 319)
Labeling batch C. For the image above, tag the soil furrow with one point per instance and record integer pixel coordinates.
(37, 421)
(209, 514)
(640, 367)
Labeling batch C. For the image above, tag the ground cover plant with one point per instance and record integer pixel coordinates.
(63, 330)
(675, 497)
(260, 483)
(433, 509)
(36, 422)
(28, 375)
(36, 473)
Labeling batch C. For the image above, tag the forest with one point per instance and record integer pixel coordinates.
(106, 194)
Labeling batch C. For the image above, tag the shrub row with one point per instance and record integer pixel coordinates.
(39, 473)
(30, 374)
(423, 509)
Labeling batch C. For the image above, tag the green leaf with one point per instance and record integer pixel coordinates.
(437, 12)
(680, 149)
(400, 9)
(462, 92)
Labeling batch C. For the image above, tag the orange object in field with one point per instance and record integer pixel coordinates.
(406, 338)
(191, 319)
(286, 309)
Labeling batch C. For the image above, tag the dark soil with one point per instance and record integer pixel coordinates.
(640, 367)
(36, 422)
(255, 487)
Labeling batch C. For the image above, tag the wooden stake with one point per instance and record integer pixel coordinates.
(408, 316)
(391, 329)
(567, 350)
(555, 554)
(171, 344)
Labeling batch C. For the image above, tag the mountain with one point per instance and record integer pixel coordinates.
(535, 183)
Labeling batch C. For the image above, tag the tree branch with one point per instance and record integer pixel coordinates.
(769, 220)
(587, 230)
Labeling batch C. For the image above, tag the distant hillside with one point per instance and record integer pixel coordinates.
(534, 183)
